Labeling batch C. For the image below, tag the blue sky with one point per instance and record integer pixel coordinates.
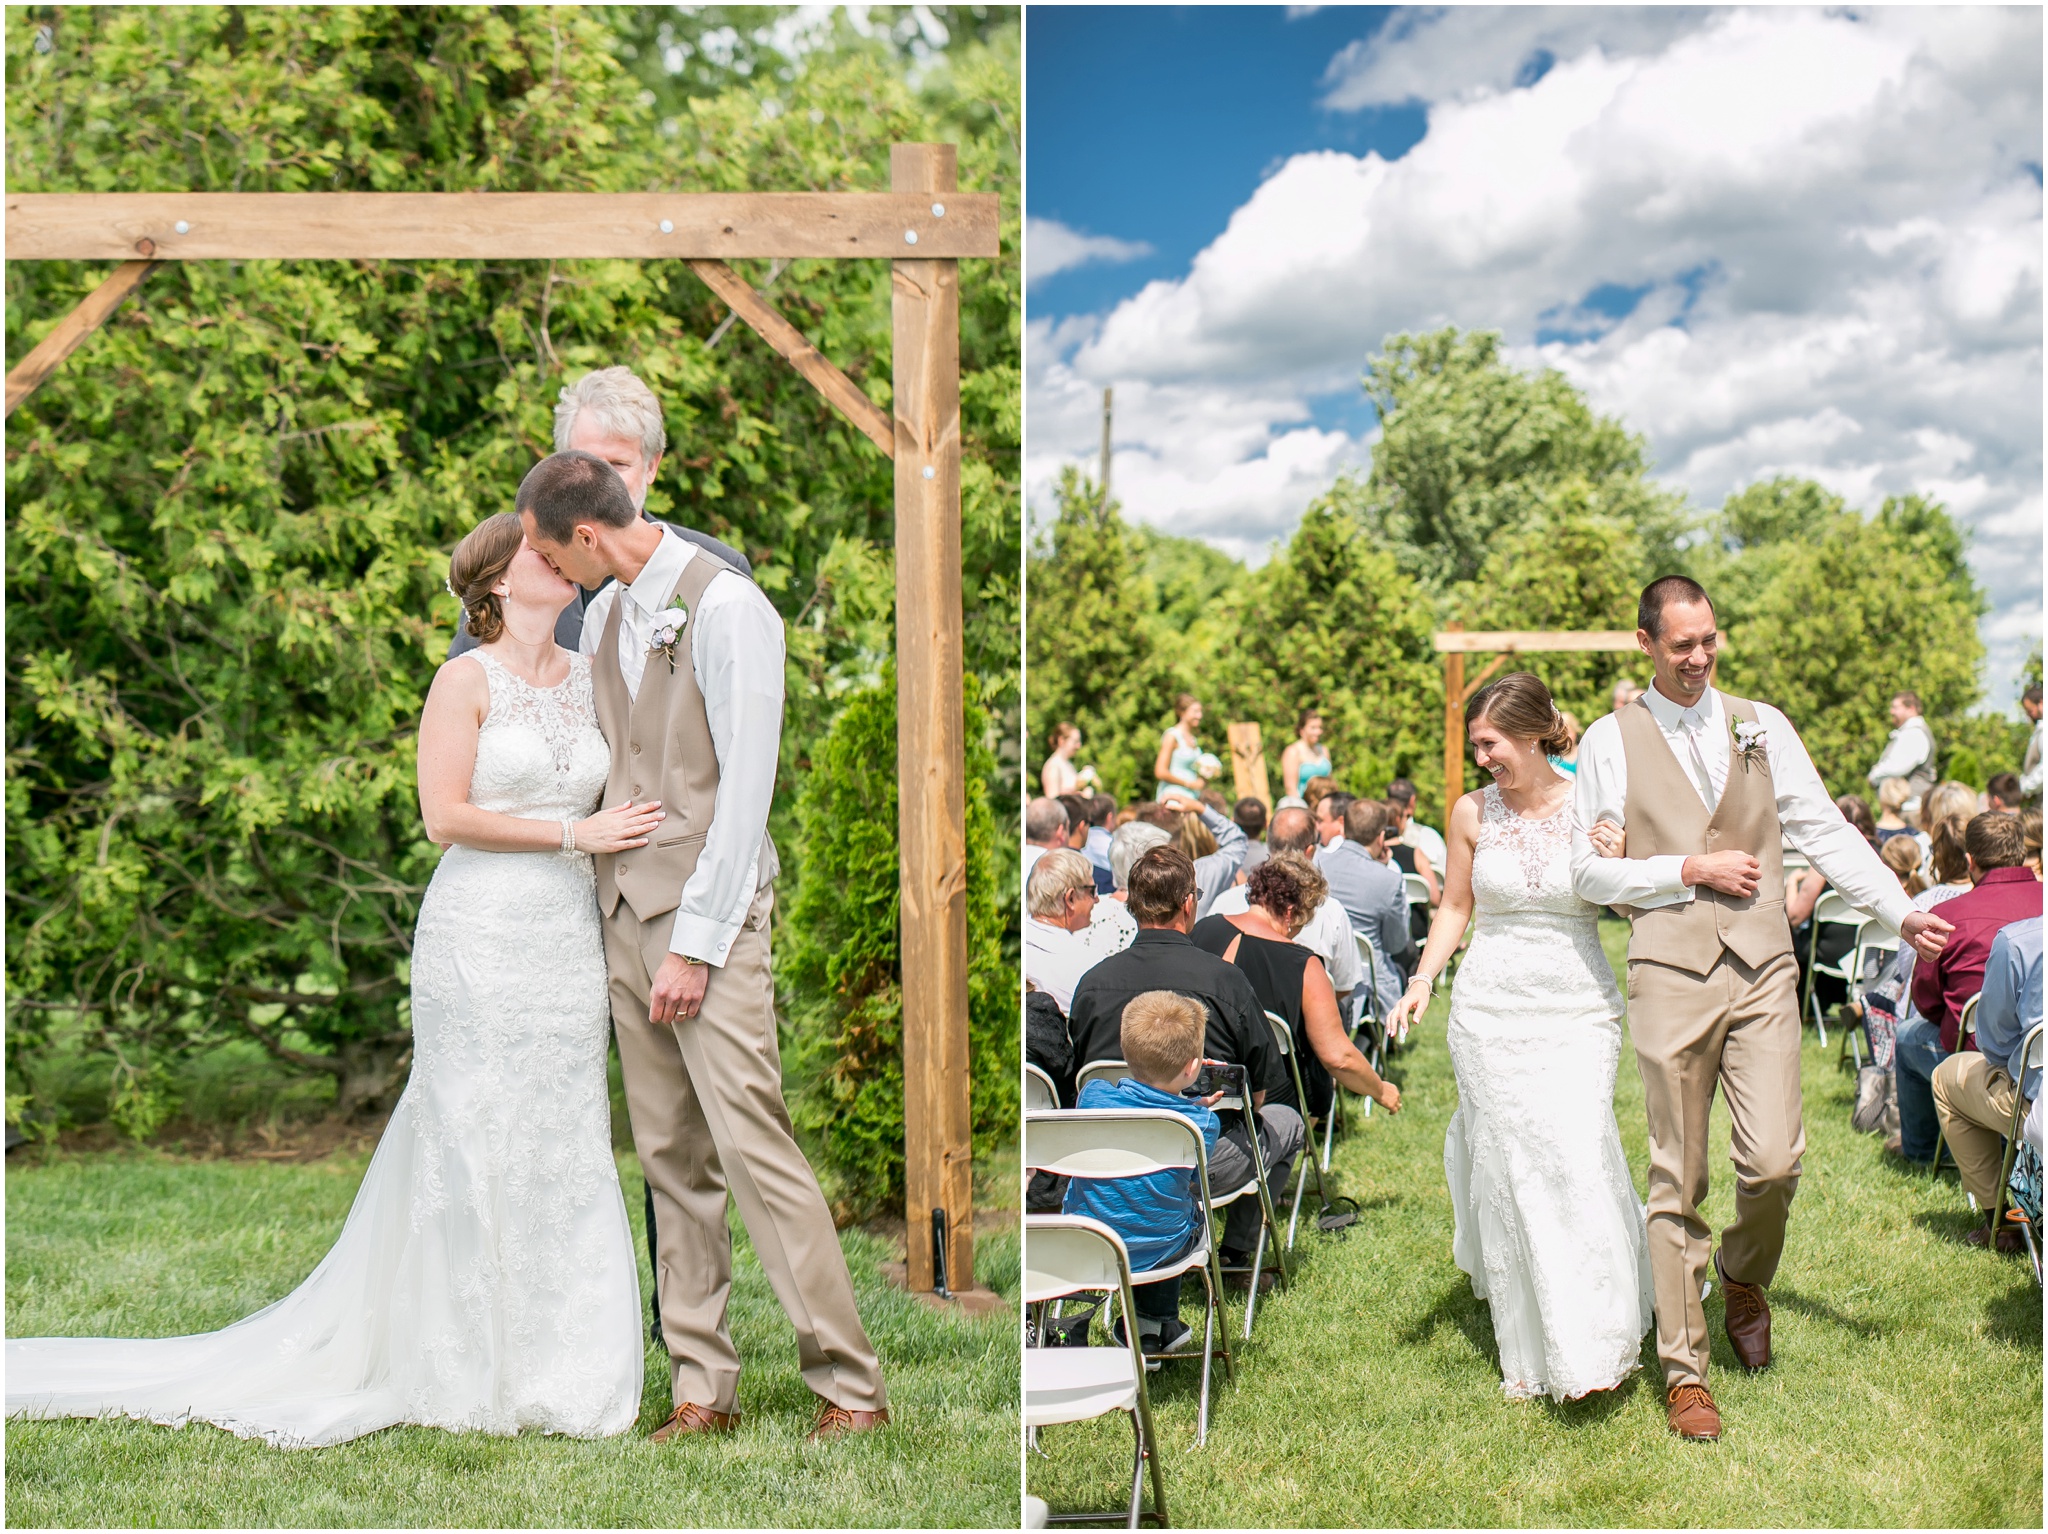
(1771, 240)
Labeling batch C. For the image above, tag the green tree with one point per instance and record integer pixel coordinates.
(839, 966)
(1828, 614)
(230, 511)
(1093, 651)
(1471, 449)
(1332, 623)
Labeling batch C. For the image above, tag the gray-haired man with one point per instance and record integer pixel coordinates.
(612, 415)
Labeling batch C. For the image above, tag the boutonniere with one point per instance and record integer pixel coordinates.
(1750, 740)
(668, 631)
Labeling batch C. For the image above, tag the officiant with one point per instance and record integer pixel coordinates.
(612, 414)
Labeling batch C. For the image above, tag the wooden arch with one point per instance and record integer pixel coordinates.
(923, 226)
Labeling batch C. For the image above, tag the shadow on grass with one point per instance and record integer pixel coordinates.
(1457, 1306)
(1591, 1410)
(1948, 1224)
(2014, 1317)
(1820, 1310)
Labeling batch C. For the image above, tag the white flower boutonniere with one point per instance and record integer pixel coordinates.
(1751, 739)
(668, 631)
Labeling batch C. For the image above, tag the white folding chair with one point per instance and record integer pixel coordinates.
(1873, 950)
(1306, 1165)
(1831, 910)
(1099, 1070)
(1136, 1142)
(1966, 1024)
(1040, 1095)
(2030, 1051)
(1369, 1021)
(1417, 891)
(1064, 1254)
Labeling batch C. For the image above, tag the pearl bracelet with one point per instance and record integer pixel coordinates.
(568, 836)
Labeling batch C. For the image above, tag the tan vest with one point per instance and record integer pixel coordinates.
(661, 749)
(1664, 816)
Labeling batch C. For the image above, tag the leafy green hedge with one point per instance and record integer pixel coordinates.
(838, 966)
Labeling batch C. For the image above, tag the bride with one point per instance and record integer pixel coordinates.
(1548, 1224)
(485, 1278)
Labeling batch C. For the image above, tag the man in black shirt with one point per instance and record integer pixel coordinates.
(1163, 958)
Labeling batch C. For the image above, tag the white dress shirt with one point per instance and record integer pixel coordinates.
(1327, 936)
(736, 655)
(1427, 842)
(2030, 773)
(1699, 736)
(1056, 959)
(1909, 745)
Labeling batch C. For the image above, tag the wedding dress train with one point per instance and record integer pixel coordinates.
(1548, 1224)
(485, 1278)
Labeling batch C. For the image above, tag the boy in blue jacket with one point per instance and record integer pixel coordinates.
(1159, 1216)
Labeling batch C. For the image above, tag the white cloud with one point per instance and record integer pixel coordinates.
(1051, 247)
(1835, 221)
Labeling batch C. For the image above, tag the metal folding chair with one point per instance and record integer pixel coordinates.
(1966, 1024)
(1136, 1142)
(1417, 891)
(1306, 1165)
(1064, 1254)
(1874, 946)
(1099, 1070)
(1831, 910)
(1040, 1095)
(2030, 1049)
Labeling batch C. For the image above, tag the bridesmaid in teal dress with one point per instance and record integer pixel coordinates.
(1305, 759)
(1179, 768)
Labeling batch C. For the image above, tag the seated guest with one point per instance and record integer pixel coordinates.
(1159, 1215)
(1317, 792)
(1411, 859)
(1973, 1089)
(1911, 1053)
(1291, 983)
(1101, 822)
(2030, 837)
(1803, 892)
(1077, 807)
(1414, 833)
(1113, 928)
(2002, 891)
(1045, 830)
(1328, 933)
(1048, 1046)
(2002, 793)
(1059, 906)
(1250, 815)
(1162, 957)
(1902, 856)
(1215, 869)
(1329, 812)
(1892, 795)
(1364, 881)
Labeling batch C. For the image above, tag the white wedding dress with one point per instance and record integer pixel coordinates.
(485, 1279)
(1547, 1219)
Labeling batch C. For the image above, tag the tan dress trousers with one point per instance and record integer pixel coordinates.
(1738, 1026)
(705, 1098)
(1973, 1099)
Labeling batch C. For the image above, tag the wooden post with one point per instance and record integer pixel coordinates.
(1454, 726)
(930, 760)
(1248, 763)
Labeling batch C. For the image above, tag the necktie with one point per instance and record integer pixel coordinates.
(1695, 727)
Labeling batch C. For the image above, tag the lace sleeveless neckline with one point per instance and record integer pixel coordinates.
(560, 714)
(1539, 851)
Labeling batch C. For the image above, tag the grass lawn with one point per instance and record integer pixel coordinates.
(140, 1244)
(1905, 1388)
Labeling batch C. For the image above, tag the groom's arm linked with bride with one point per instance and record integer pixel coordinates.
(1707, 791)
(686, 672)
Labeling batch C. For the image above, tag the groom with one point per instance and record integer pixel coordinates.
(1709, 789)
(694, 720)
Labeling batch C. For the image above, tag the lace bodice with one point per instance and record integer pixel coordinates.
(540, 753)
(1523, 866)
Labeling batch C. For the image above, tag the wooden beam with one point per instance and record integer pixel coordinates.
(503, 226)
(842, 392)
(1454, 723)
(931, 769)
(27, 375)
(1456, 641)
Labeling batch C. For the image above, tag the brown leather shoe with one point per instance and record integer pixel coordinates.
(692, 1418)
(836, 1421)
(1690, 1411)
(2008, 1239)
(1748, 1318)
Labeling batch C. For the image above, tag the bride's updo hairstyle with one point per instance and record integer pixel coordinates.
(1519, 705)
(479, 563)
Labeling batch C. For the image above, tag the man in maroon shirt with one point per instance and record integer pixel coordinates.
(2005, 891)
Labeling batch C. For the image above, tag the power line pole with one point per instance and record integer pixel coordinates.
(1102, 509)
